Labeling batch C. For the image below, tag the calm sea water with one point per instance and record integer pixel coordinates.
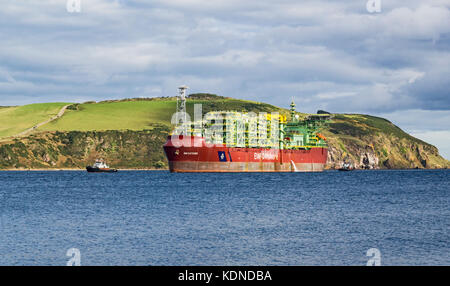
(158, 218)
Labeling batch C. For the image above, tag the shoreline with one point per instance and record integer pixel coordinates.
(71, 169)
(63, 169)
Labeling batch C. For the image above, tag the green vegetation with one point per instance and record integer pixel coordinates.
(75, 149)
(365, 135)
(140, 114)
(233, 105)
(122, 115)
(360, 125)
(128, 114)
(14, 120)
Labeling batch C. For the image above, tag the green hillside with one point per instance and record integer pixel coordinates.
(14, 120)
(130, 134)
(141, 114)
(132, 115)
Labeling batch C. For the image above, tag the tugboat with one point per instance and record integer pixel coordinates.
(346, 167)
(100, 167)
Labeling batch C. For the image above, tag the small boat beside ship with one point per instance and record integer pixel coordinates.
(346, 167)
(100, 167)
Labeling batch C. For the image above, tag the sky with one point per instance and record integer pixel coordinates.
(338, 56)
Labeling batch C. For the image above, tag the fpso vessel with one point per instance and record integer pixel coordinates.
(242, 142)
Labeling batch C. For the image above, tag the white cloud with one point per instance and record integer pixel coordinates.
(424, 23)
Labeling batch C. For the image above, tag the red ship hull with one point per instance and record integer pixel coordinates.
(196, 156)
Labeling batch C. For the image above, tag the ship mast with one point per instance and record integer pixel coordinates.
(181, 103)
(181, 110)
(293, 117)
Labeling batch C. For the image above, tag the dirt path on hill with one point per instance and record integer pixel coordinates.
(29, 130)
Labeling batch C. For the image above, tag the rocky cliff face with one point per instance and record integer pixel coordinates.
(57, 150)
(386, 155)
(369, 142)
(366, 159)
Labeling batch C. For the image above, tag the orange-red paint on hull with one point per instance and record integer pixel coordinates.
(198, 157)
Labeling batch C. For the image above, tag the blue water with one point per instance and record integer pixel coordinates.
(158, 218)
